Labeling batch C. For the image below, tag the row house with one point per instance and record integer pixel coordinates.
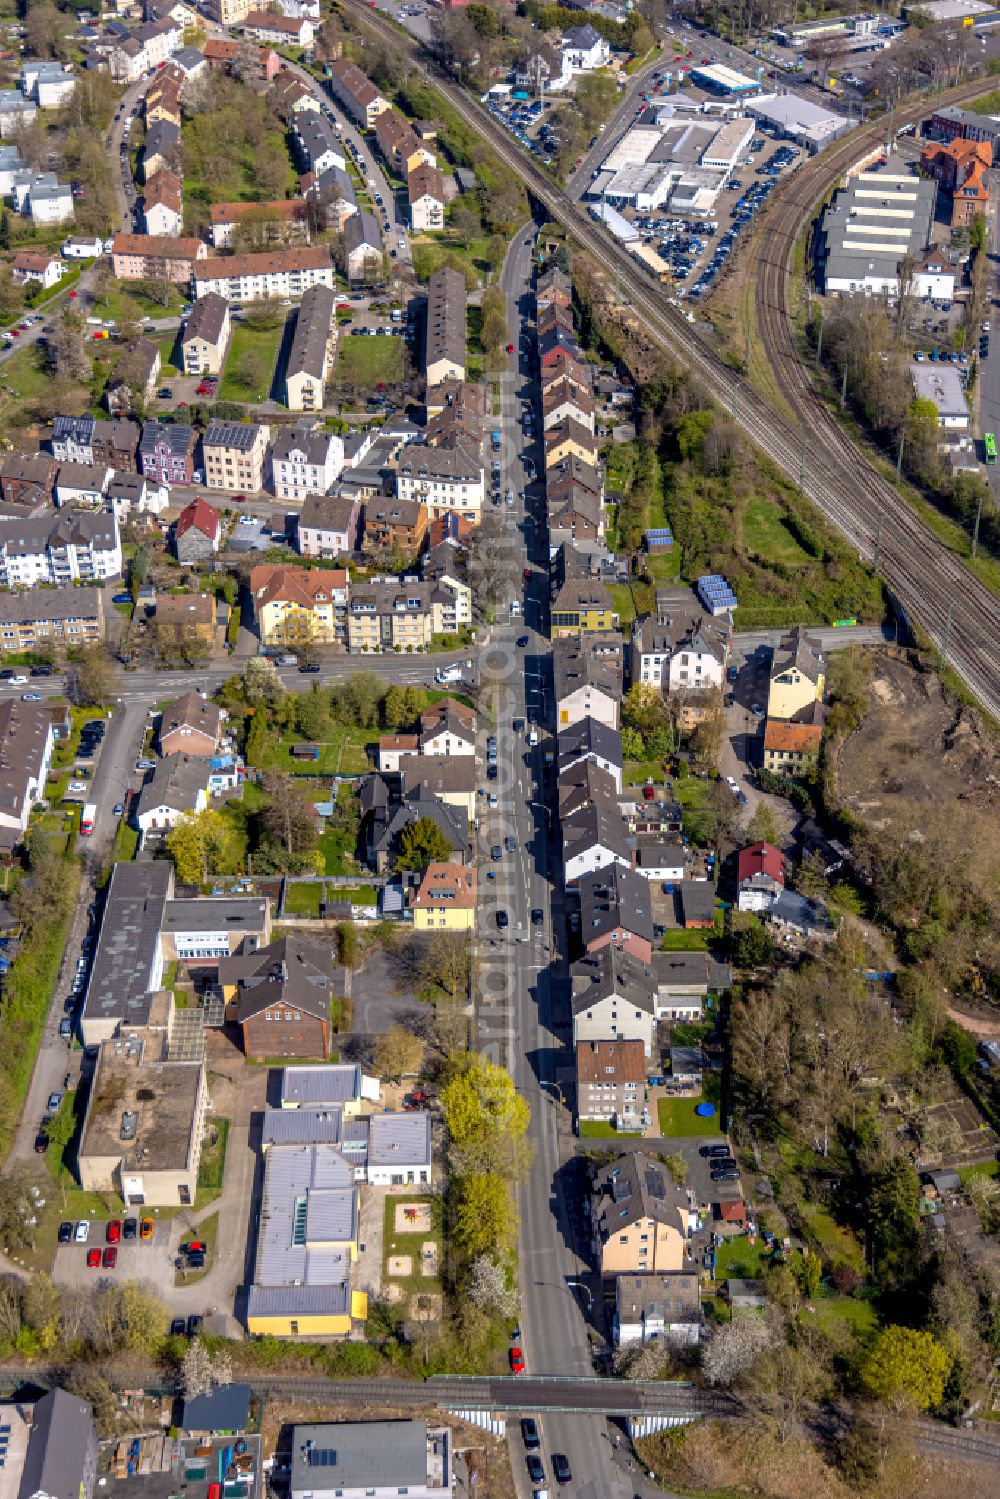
(362, 246)
(289, 96)
(400, 145)
(134, 377)
(162, 210)
(582, 606)
(161, 148)
(69, 547)
(426, 197)
(318, 144)
(613, 998)
(27, 742)
(356, 93)
(82, 485)
(329, 525)
(279, 31)
(91, 441)
(444, 479)
(234, 454)
(395, 526)
(51, 616)
(305, 461)
(220, 52)
(293, 605)
(27, 479)
(261, 277)
(565, 399)
(131, 495)
(155, 257)
(588, 684)
(444, 340)
(404, 614)
(568, 438)
(166, 452)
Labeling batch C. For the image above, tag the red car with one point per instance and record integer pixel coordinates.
(648, 793)
(113, 1233)
(72, 294)
(109, 1258)
(510, 348)
(516, 1361)
(93, 1259)
(15, 333)
(196, 1246)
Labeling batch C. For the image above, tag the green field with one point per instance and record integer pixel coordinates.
(342, 753)
(303, 899)
(407, 1243)
(766, 535)
(365, 363)
(121, 299)
(678, 939)
(738, 1259)
(212, 1165)
(678, 1118)
(258, 346)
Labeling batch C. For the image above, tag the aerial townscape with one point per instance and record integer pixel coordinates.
(499, 750)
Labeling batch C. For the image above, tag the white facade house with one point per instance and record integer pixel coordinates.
(81, 247)
(584, 49)
(943, 384)
(27, 743)
(48, 83)
(51, 205)
(445, 479)
(660, 861)
(305, 462)
(71, 547)
(81, 484)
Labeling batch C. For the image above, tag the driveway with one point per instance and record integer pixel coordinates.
(378, 1004)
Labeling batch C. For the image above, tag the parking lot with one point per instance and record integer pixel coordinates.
(533, 123)
(136, 1259)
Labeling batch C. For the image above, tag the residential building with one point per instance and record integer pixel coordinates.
(319, 146)
(16, 112)
(584, 49)
(684, 980)
(962, 169)
(664, 1308)
(51, 205)
(335, 190)
(188, 614)
(797, 917)
(178, 788)
(309, 357)
(279, 31)
(206, 336)
(153, 257)
(356, 93)
(269, 274)
(797, 677)
(306, 461)
(162, 205)
(945, 388)
(59, 1448)
(50, 84)
(791, 748)
(680, 649)
(697, 904)
(72, 439)
(394, 748)
(660, 861)
(613, 998)
(594, 835)
(589, 740)
(329, 526)
(444, 479)
(542, 70)
(259, 226)
(75, 246)
(368, 1458)
(386, 809)
(444, 345)
(568, 438)
(290, 95)
(580, 607)
(577, 520)
(69, 547)
(611, 1082)
(615, 910)
(134, 378)
(160, 148)
(362, 246)
(234, 455)
(451, 778)
(115, 443)
(307, 1243)
(448, 727)
(193, 725)
(294, 605)
(587, 683)
(404, 614)
(38, 266)
(567, 399)
(228, 12)
(395, 526)
(128, 495)
(51, 616)
(445, 899)
(425, 193)
(27, 479)
(197, 532)
(279, 997)
(400, 145)
(26, 745)
(640, 1217)
(760, 876)
(166, 452)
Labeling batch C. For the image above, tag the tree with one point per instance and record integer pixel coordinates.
(62, 1127)
(126, 1317)
(201, 844)
(808, 1272)
(202, 1370)
(44, 30)
(261, 683)
(422, 843)
(250, 371)
(906, 1367)
(736, 1346)
(706, 741)
(93, 681)
(41, 1310)
(288, 817)
(256, 739)
(138, 570)
(312, 713)
(398, 1053)
(486, 1118)
(400, 706)
(753, 945)
(488, 1288)
(485, 1217)
(66, 351)
(245, 65)
(762, 827)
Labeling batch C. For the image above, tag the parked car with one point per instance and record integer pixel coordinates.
(177, 1327)
(194, 1325)
(65, 1233)
(41, 1142)
(93, 1259)
(113, 1232)
(82, 1232)
(130, 1229)
(146, 1230)
(109, 1259)
(529, 1434)
(561, 1468)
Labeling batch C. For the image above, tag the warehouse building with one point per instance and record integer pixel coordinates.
(716, 78)
(870, 226)
(798, 120)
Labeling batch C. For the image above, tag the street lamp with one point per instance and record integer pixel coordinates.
(546, 1083)
(579, 1286)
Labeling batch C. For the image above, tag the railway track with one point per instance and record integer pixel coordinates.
(968, 1446)
(934, 587)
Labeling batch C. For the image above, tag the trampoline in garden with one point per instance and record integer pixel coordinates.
(705, 1110)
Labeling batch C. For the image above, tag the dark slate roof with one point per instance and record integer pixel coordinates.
(225, 1408)
(61, 1448)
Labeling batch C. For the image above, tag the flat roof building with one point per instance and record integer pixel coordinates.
(371, 1458)
(799, 119)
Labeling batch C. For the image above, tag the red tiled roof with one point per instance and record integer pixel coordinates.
(760, 858)
(200, 515)
(802, 737)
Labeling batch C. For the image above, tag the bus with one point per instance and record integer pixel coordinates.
(87, 819)
(990, 447)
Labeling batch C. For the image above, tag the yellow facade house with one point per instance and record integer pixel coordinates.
(307, 1246)
(798, 676)
(295, 605)
(445, 900)
(640, 1217)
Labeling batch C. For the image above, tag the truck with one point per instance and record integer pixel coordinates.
(87, 819)
(495, 439)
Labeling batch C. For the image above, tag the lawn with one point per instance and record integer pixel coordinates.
(336, 851)
(126, 842)
(624, 603)
(766, 535)
(303, 899)
(364, 363)
(838, 1244)
(213, 1161)
(26, 380)
(678, 1118)
(680, 940)
(411, 1243)
(826, 1312)
(430, 253)
(343, 753)
(121, 299)
(738, 1259)
(980, 1169)
(249, 372)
